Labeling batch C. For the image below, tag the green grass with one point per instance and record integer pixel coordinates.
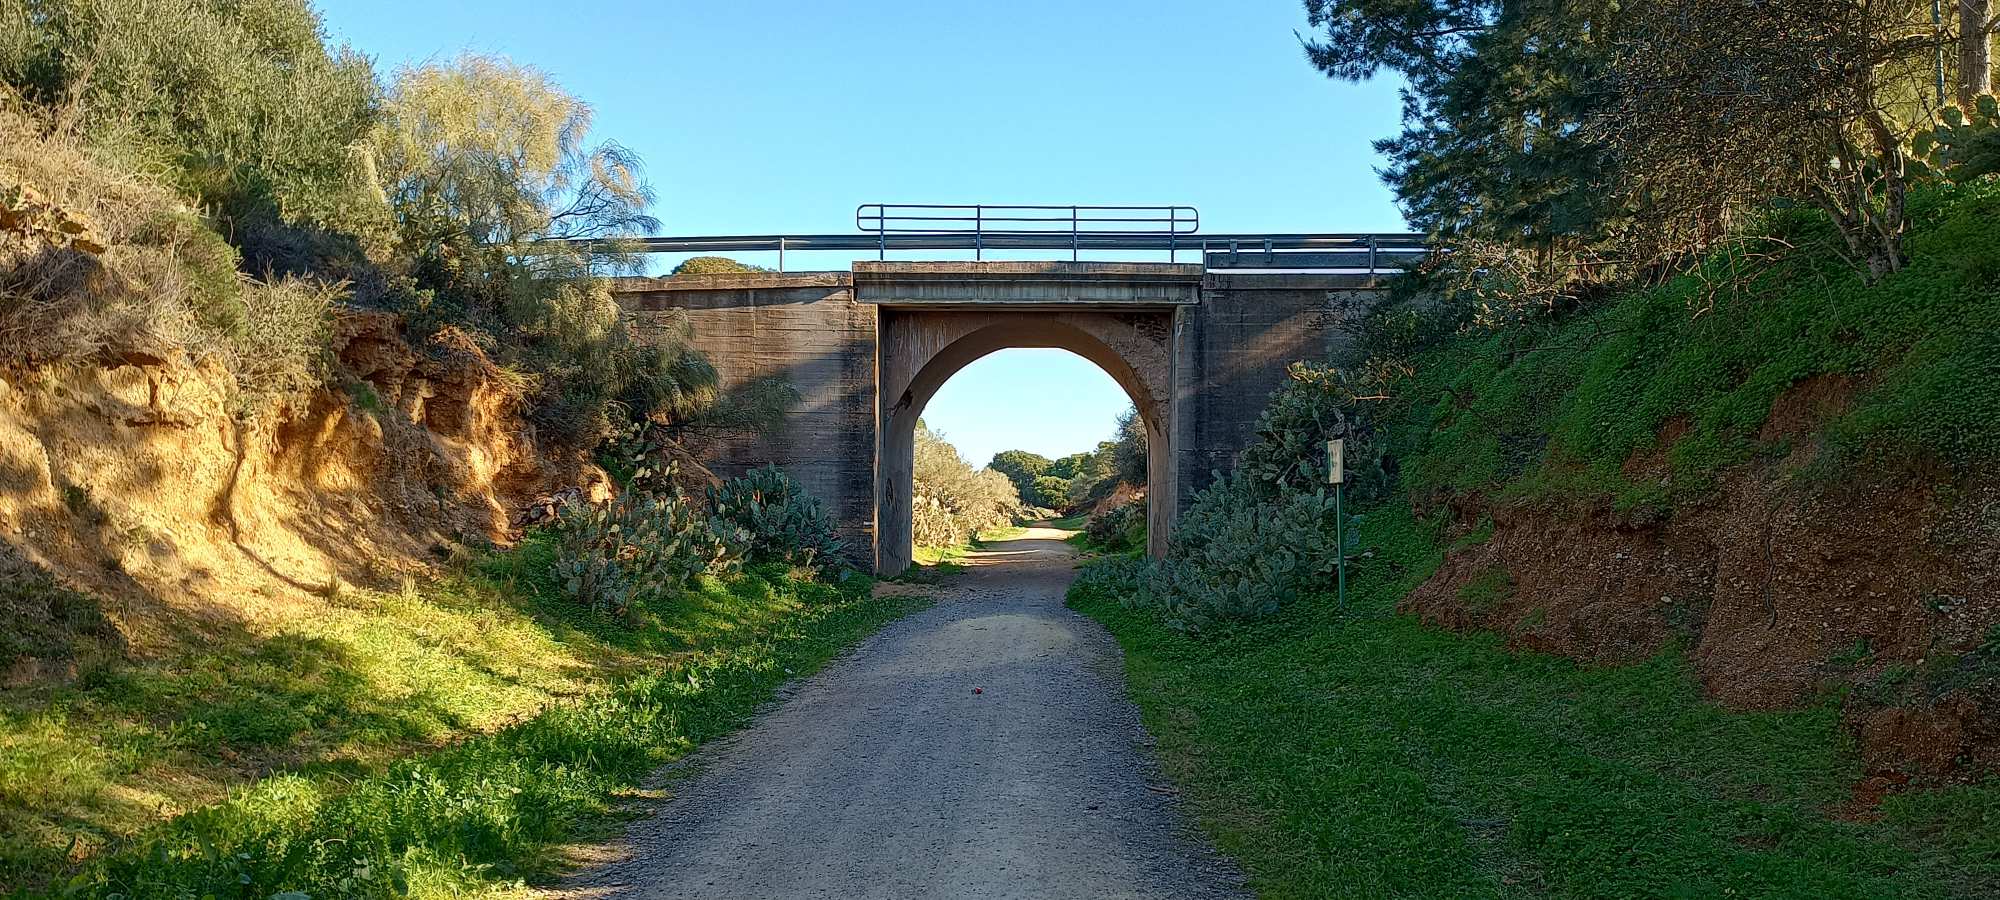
(998, 535)
(930, 564)
(933, 563)
(1371, 756)
(1556, 410)
(443, 740)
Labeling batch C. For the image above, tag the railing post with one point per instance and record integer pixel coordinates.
(978, 232)
(781, 255)
(1371, 260)
(1072, 235)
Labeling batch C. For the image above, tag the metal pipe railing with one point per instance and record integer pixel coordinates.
(997, 241)
(885, 227)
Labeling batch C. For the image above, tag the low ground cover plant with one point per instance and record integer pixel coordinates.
(489, 811)
(423, 741)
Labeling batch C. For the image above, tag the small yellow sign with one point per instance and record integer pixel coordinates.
(1336, 452)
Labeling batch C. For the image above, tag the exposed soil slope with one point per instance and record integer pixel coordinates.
(1781, 586)
(133, 482)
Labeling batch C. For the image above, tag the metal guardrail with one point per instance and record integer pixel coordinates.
(886, 227)
(884, 219)
(1366, 252)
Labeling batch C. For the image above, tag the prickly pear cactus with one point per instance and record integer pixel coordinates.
(638, 547)
(1237, 556)
(782, 521)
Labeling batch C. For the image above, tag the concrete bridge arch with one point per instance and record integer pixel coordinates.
(922, 349)
(1198, 352)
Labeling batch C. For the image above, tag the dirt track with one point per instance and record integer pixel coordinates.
(982, 748)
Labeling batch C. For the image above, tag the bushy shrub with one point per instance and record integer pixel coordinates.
(715, 265)
(781, 521)
(1052, 491)
(588, 365)
(638, 547)
(96, 262)
(280, 350)
(951, 502)
(1119, 529)
(126, 285)
(1316, 404)
(242, 104)
(1236, 555)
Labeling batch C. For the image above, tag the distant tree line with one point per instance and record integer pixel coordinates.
(1079, 480)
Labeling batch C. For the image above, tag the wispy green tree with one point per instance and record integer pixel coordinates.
(1128, 449)
(485, 160)
(489, 170)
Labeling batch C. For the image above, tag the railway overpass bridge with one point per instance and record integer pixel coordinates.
(1198, 346)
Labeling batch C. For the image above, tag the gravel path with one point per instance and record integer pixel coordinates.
(981, 748)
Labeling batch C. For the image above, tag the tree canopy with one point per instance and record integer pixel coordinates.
(1022, 468)
(714, 265)
(1554, 145)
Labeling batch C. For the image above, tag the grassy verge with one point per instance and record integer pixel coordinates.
(929, 564)
(932, 563)
(429, 742)
(999, 535)
(1365, 755)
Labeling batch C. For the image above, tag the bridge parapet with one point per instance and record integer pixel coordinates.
(1027, 284)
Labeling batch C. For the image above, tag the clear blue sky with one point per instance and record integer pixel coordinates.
(764, 118)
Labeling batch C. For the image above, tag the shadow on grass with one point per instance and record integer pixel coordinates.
(91, 764)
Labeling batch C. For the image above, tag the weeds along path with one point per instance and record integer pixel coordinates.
(982, 748)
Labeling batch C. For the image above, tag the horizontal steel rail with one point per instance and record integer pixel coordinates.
(886, 227)
(981, 219)
(1239, 243)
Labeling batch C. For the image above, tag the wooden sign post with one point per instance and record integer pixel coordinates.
(1336, 464)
